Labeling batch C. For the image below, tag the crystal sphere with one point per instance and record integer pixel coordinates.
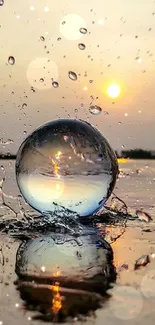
(66, 163)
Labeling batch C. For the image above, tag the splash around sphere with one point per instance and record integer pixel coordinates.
(66, 163)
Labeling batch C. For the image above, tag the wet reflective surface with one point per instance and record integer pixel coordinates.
(66, 163)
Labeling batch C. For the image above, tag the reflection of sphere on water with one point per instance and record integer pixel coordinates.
(66, 163)
(78, 270)
(82, 257)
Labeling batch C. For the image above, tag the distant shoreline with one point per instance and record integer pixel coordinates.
(7, 157)
(13, 157)
(124, 154)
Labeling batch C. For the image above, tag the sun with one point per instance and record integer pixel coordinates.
(113, 90)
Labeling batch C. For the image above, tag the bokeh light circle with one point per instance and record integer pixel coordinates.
(41, 72)
(70, 26)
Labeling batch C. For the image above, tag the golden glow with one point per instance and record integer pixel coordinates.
(58, 154)
(122, 160)
(57, 273)
(113, 90)
(56, 167)
(57, 298)
(59, 186)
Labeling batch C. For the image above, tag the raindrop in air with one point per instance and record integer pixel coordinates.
(42, 38)
(83, 30)
(1, 2)
(68, 164)
(81, 46)
(55, 84)
(11, 60)
(72, 75)
(24, 105)
(95, 109)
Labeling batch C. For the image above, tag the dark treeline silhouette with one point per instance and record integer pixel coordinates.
(136, 154)
(7, 156)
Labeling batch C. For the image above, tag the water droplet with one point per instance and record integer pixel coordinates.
(72, 75)
(55, 84)
(11, 60)
(81, 46)
(24, 105)
(95, 109)
(44, 170)
(41, 80)
(138, 59)
(2, 168)
(83, 30)
(32, 89)
(42, 38)
(59, 39)
(1, 2)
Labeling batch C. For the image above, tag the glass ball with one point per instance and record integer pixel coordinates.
(66, 163)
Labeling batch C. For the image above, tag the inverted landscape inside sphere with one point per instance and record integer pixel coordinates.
(66, 163)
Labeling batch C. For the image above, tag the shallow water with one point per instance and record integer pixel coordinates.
(136, 184)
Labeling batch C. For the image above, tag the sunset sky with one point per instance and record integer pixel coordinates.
(44, 37)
